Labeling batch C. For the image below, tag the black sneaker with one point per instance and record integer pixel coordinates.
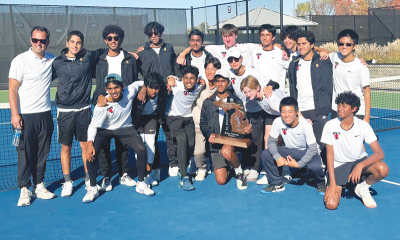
(321, 188)
(241, 181)
(273, 188)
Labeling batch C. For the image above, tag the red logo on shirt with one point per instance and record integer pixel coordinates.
(298, 67)
(223, 54)
(336, 63)
(185, 93)
(110, 109)
(336, 135)
(233, 80)
(258, 55)
(284, 130)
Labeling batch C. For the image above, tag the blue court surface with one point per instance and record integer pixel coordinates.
(210, 211)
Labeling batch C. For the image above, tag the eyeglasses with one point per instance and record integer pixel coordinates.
(116, 38)
(233, 59)
(42, 41)
(340, 44)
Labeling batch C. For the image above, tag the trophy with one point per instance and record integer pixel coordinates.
(233, 125)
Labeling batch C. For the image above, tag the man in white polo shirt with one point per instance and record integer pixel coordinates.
(29, 96)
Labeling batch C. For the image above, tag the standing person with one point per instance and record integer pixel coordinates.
(347, 160)
(212, 123)
(300, 148)
(29, 97)
(350, 74)
(115, 60)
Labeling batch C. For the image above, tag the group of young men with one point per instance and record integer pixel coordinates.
(179, 94)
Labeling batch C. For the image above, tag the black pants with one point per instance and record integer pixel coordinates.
(171, 146)
(315, 165)
(257, 138)
(318, 123)
(34, 147)
(128, 137)
(121, 155)
(183, 134)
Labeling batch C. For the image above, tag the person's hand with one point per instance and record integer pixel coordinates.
(281, 162)
(323, 55)
(202, 82)
(142, 95)
(16, 121)
(181, 60)
(355, 175)
(331, 194)
(291, 162)
(268, 91)
(101, 101)
(171, 82)
(211, 138)
(90, 151)
(362, 60)
(140, 49)
(247, 129)
(285, 56)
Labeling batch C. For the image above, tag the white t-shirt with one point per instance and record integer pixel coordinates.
(116, 114)
(250, 105)
(157, 50)
(219, 51)
(114, 63)
(305, 94)
(271, 64)
(298, 137)
(34, 75)
(221, 113)
(199, 63)
(183, 100)
(150, 107)
(347, 145)
(349, 76)
(271, 104)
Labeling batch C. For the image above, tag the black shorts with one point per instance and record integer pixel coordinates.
(218, 160)
(73, 123)
(269, 118)
(147, 124)
(334, 114)
(342, 172)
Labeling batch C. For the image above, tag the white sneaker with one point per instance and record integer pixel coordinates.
(263, 172)
(246, 172)
(91, 194)
(201, 174)
(363, 193)
(87, 183)
(288, 177)
(263, 180)
(173, 171)
(156, 174)
(253, 176)
(149, 180)
(67, 189)
(142, 188)
(127, 181)
(41, 192)
(24, 197)
(106, 185)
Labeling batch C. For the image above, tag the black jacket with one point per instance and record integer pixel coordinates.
(321, 80)
(179, 68)
(75, 78)
(138, 106)
(162, 63)
(209, 117)
(129, 73)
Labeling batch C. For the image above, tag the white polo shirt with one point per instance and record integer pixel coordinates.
(183, 100)
(34, 75)
(271, 104)
(220, 52)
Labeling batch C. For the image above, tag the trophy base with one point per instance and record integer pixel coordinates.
(236, 142)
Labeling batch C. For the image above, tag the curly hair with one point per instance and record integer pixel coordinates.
(113, 29)
(157, 27)
(349, 98)
(153, 80)
(191, 69)
(289, 31)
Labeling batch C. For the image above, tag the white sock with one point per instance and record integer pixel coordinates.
(238, 169)
(365, 184)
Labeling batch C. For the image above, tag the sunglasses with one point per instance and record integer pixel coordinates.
(233, 59)
(116, 38)
(42, 41)
(340, 44)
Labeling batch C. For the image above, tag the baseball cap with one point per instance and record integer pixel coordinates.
(234, 52)
(222, 73)
(113, 77)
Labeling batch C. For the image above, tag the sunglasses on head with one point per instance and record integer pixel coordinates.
(42, 41)
(110, 79)
(233, 59)
(116, 38)
(340, 44)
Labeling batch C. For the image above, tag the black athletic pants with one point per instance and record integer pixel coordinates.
(34, 147)
(257, 138)
(128, 137)
(121, 155)
(171, 146)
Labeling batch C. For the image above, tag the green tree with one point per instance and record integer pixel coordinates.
(303, 9)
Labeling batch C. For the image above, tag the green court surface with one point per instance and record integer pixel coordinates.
(385, 100)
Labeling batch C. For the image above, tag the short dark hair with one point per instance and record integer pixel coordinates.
(191, 69)
(42, 29)
(289, 101)
(215, 62)
(348, 33)
(113, 29)
(153, 80)
(309, 36)
(349, 98)
(157, 27)
(269, 28)
(196, 32)
(75, 33)
(290, 32)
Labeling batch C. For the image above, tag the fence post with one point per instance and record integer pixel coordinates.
(217, 32)
(281, 16)
(247, 20)
(369, 25)
(114, 16)
(191, 17)
(155, 14)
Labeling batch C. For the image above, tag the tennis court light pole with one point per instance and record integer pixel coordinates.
(281, 16)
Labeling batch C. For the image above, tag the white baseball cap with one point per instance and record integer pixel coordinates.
(234, 52)
(222, 73)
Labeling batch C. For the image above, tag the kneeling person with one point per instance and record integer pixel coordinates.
(300, 148)
(346, 158)
(114, 121)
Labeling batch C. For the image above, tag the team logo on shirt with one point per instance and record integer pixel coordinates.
(223, 54)
(284, 131)
(336, 135)
(298, 67)
(258, 55)
(110, 110)
(185, 93)
(336, 63)
(233, 80)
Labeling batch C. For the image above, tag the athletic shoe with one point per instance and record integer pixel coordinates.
(321, 188)
(24, 197)
(208, 166)
(142, 188)
(185, 184)
(363, 193)
(273, 188)
(241, 181)
(253, 176)
(67, 189)
(126, 180)
(91, 194)
(156, 174)
(191, 168)
(287, 179)
(173, 171)
(263, 180)
(106, 185)
(246, 172)
(41, 192)
(263, 172)
(201, 174)
(149, 180)
(87, 183)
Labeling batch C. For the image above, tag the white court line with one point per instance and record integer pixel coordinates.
(386, 181)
